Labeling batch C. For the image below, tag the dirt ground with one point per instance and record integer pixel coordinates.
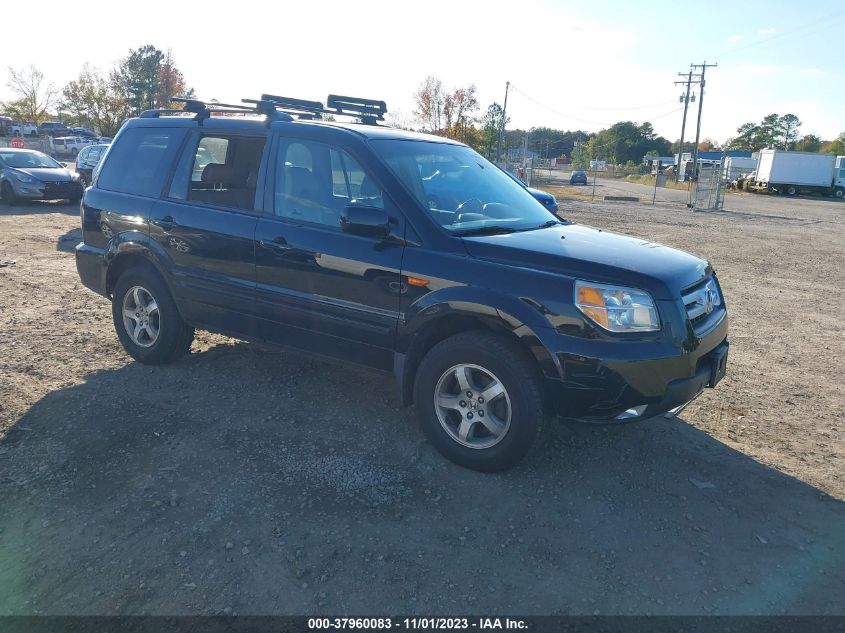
(241, 480)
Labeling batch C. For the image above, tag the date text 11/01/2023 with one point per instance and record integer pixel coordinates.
(416, 623)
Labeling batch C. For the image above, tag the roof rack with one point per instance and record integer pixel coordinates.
(202, 110)
(368, 110)
(277, 108)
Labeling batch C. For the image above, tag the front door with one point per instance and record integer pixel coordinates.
(319, 288)
(206, 226)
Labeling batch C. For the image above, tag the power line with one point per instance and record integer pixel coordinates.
(570, 116)
(827, 19)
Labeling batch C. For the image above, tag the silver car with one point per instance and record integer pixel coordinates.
(26, 174)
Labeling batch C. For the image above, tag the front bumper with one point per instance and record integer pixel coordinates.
(624, 383)
(48, 191)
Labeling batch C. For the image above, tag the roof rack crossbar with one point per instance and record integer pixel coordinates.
(304, 105)
(357, 106)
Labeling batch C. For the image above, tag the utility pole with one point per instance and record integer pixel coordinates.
(685, 97)
(502, 124)
(703, 68)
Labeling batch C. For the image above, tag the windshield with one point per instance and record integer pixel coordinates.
(27, 160)
(462, 191)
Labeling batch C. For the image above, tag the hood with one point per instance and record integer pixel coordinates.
(539, 194)
(48, 174)
(595, 255)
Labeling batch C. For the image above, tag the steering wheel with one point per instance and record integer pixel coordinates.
(470, 206)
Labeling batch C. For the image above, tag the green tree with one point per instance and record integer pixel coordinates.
(746, 135)
(626, 141)
(491, 123)
(148, 78)
(788, 126)
(808, 143)
(32, 96)
(836, 146)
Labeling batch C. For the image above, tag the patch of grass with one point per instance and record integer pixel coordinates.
(649, 180)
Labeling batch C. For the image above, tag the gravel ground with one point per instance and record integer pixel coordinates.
(241, 480)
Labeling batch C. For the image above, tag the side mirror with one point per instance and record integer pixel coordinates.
(365, 221)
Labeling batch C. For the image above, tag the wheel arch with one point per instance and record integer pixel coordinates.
(424, 333)
(127, 251)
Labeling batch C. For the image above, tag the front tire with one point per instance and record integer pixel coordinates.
(8, 194)
(146, 319)
(479, 400)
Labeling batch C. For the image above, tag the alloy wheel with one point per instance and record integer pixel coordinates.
(141, 316)
(473, 406)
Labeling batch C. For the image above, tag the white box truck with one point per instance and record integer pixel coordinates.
(790, 173)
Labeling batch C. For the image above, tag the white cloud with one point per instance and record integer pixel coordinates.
(735, 38)
(811, 72)
(767, 31)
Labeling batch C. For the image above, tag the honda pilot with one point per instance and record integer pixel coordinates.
(269, 221)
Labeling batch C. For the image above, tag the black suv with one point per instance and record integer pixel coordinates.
(320, 236)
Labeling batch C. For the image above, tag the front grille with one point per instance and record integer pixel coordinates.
(704, 305)
(60, 188)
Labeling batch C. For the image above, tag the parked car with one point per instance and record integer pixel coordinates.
(321, 237)
(70, 145)
(31, 175)
(23, 128)
(578, 177)
(87, 160)
(544, 198)
(84, 132)
(54, 128)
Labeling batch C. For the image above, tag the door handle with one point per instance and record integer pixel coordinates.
(166, 223)
(276, 244)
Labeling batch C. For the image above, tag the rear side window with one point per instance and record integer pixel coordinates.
(139, 162)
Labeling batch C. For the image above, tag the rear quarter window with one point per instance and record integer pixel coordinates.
(140, 161)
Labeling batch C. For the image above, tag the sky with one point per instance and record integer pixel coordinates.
(572, 65)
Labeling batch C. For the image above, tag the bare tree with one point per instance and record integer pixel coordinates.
(430, 100)
(33, 98)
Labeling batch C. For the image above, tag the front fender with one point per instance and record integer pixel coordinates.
(458, 308)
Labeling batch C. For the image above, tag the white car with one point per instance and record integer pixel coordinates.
(23, 128)
(70, 145)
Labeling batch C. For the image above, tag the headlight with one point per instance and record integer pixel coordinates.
(615, 308)
(22, 177)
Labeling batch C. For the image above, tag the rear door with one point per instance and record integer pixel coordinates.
(319, 288)
(206, 225)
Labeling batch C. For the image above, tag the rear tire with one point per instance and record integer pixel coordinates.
(485, 435)
(146, 319)
(791, 190)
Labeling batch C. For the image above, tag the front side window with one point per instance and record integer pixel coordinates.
(462, 191)
(140, 161)
(315, 182)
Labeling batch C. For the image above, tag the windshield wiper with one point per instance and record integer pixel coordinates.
(485, 230)
(549, 223)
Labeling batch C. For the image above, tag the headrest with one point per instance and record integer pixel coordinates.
(218, 174)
